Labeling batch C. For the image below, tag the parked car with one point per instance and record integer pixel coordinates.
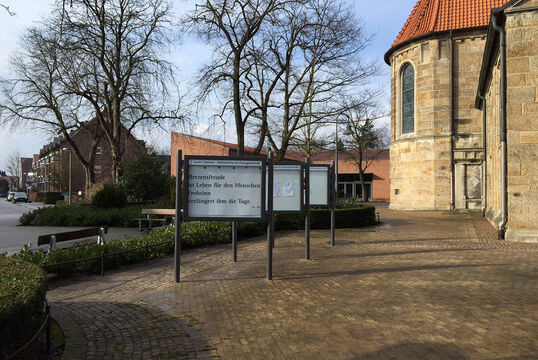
(10, 196)
(19, 196)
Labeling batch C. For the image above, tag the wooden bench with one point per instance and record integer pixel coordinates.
(169, 215)
(52, 239)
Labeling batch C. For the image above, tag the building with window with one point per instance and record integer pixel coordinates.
(376, 177)
(50, 168)
(436, 132)
(464, 111)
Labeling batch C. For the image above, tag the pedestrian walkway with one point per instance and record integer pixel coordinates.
(424, 285)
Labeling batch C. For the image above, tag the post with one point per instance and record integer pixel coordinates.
(101, 236)
(307, 208)
(70, 163)
(234, 240)
(52, 243)
(102, 263)
(270, 232)
(333, 204)
(47, 329)
(177, 260)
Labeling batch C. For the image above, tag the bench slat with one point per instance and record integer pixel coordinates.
(170, 212)
(70, 235)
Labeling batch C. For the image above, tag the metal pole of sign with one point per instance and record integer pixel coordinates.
(270, 223)
(333, 205)
(177, 260)
(307, 208)
(234, 240)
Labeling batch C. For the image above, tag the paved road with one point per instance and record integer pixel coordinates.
(14, 237)
(426, 285)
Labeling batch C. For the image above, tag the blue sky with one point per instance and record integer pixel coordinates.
(383, 18)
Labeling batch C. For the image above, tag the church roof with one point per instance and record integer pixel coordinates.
(435, 16)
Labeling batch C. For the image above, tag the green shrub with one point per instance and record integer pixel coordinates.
(22, 297)
(111, 196)
(85, 215)
(144, 179)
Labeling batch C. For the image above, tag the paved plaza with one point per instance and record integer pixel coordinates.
(424, 285)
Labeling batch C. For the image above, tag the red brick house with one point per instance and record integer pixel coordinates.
(51, 166)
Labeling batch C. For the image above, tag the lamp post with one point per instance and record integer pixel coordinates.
(69, 196)
(347, 133)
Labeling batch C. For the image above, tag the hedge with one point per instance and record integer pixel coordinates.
(85, 215)
(160, 241)
(22, 297)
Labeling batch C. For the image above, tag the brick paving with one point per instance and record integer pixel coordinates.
(424, 285)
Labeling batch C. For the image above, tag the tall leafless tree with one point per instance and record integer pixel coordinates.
(12, 163)
(35, 96)
(368, 140)
(310, 55)
(231, 25)
(118, 67)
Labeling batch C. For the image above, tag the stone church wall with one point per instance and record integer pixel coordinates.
(522, 121)
(420, 161)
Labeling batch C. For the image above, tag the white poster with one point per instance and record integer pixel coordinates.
(319, 185)
(287, 188)
(224, 189)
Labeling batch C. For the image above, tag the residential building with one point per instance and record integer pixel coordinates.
(51, 166)
(453, 147)
(25, 167)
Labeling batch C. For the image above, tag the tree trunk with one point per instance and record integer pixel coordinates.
(363, 186)
(239, 126)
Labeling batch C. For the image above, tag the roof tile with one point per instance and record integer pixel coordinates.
(431, 16)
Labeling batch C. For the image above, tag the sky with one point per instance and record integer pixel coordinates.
(383, 19)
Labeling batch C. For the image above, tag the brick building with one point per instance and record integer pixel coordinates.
(25, 167)
(51, 166)
(452, 148)
(377, 177)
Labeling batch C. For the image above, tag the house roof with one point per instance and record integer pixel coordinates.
(228, 145)
(329, 155)
(437, 16)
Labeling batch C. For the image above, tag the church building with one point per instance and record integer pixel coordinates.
(464, 127)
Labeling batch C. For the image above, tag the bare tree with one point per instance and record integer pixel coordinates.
(231, 25)
(307, 57)
(36, 96)
(117, 65)
(366, 142)
(12, 163)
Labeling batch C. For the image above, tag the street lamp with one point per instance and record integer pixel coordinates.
(69, 151)
(335, 193)
(347, 132)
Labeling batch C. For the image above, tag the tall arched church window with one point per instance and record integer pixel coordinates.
(408, 99)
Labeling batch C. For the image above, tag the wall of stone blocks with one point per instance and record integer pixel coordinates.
(522, 123)
(420, 161)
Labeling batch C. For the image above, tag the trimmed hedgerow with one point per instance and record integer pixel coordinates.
(22, 298)
(85, 215)
(160, 241)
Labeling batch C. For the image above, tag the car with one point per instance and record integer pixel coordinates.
(10, 196)
(19, 196)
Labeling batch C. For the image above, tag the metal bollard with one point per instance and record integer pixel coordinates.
(102, 263)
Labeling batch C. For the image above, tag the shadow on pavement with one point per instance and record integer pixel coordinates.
(104, 329)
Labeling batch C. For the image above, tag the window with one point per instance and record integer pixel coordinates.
(98, 151)
(408, 99)
(97, 169)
